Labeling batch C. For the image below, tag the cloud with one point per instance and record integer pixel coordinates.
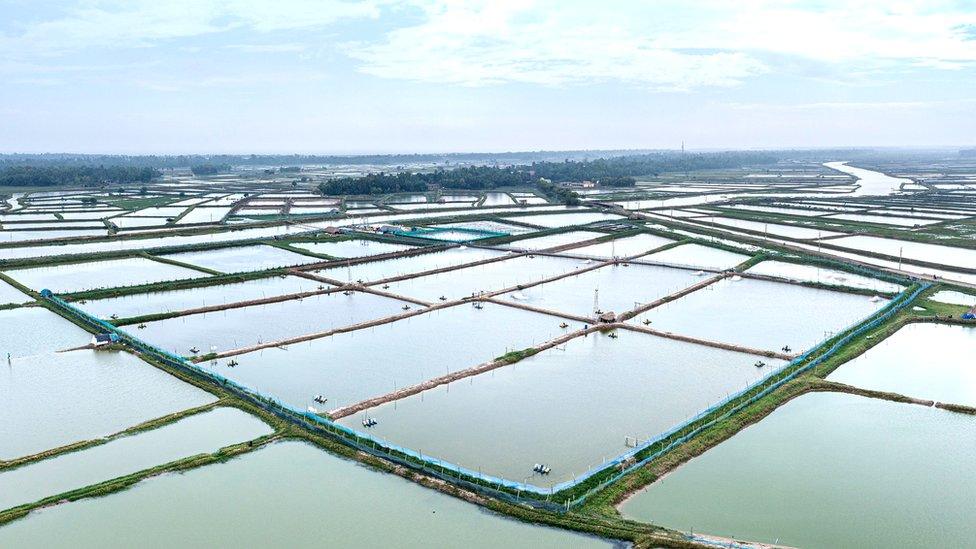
(662, 44)
(121, 24)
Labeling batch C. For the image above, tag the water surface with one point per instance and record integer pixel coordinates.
(311, 498)
(830, 470)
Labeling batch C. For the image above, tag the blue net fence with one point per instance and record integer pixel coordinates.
(551, 498)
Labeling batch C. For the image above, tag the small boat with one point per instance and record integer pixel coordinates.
(587, 262)
(759, 364)
(612, 335)
(369, 422)
(563, 325)
(519, 296)
(786, 348)
(442, 298)
(700, 273)
(347, 292)
(406, 307)
(386, 286)
(541, 468)
(321, 287)
(114, 316)
(479, 306)
(141, 326)
(83, 302)
(320, 399)
(647, 321)
(232, 363)
(626, 264)
(531, 256)
(736, 278)
(875, 299)
(194, 350)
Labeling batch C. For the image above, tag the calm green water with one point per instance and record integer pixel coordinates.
(929, 361)
(234, 328)
(483, 278)
(813, 273)
(349, 367)
(179, 300)
(112, 273)
(568, 407)
(696, 255)
(286, 495)
(761, 314)
(204, 432)
(620, 289)
(34, 330)
(830, 470)
(53, 399)
(243, 258)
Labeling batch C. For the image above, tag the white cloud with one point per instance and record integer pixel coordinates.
(662, 44)
(117, 23)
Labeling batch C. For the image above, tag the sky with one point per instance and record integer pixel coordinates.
(331, 76)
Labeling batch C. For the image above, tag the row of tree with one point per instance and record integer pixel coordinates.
(85, 176)
(613, 172)
(209, 169)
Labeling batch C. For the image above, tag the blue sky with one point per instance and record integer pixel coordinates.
(330, 76)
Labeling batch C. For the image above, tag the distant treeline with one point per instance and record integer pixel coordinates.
(209, 169)
(291, 160)
(31, 176)
(474, 177)
(616, 172)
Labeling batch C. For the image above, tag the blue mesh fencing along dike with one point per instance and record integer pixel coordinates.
(501, 488)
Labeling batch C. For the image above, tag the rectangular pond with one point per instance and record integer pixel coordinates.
(179, 300)
(567, 407)
(566, 219)
(483, 278)
(696, 255)
(929, 361)
(763, 315)
(953, 297)
(232, 504)
(829, 470)
(9, 294)
(552, 240)
(352, 248)
(387, 268)
(204, 432)
(29, 331)
(349, 367)
(234, 328)
(616, 288)
(239, 259)
(112, 273)
(624, 247)
(814, 273)
(53, 399)
(932, 253)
